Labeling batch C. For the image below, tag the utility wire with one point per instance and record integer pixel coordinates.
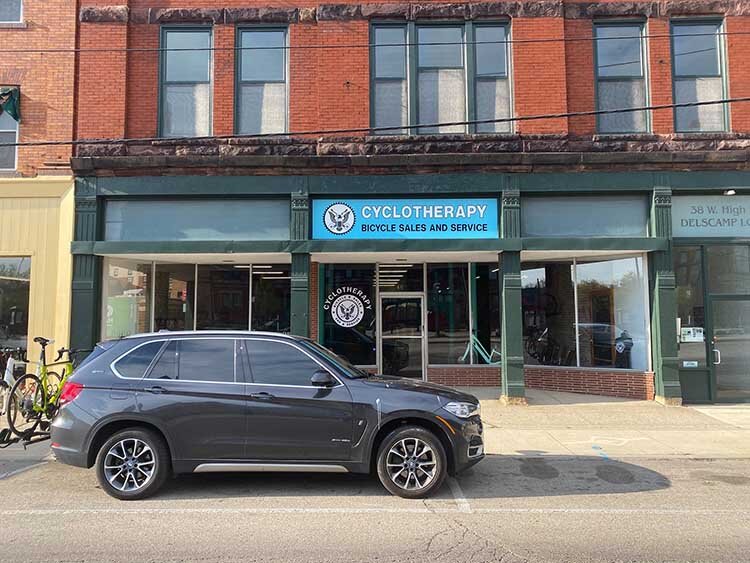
(372, 45)
(390, 129)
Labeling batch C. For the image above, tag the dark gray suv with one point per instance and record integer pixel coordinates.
(144, 407)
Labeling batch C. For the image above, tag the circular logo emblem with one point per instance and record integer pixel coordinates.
(620, 347)
(347, 310)
(339, 218)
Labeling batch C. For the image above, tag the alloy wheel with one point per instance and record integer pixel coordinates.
(411, 464)
(129, 465)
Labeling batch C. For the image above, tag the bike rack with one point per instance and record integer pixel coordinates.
(7, 438)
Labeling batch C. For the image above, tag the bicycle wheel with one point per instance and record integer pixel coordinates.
(54, 382)
(26, 405)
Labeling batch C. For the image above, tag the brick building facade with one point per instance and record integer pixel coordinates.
(572, 281)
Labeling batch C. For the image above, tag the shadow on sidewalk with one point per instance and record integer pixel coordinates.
(497, 476)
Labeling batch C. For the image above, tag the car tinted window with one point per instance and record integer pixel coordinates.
(278, 363)
(207, 360)
(135, 363)
(166, 366)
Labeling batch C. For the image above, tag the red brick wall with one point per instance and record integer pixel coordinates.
(738, 55)
(464, 375)
(46, 80)
(660, 70)
(626, 384)
(579, 66)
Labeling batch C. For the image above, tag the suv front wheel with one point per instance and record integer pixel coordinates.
(133, 464)
(411, 462)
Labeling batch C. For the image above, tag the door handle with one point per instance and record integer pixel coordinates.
(717, 356)
(156, 389)
(263, 396)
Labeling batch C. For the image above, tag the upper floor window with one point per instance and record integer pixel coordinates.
(11, 10)
(8, 134)
(262, 87)
(621, 78)
(460, 73)
(186, 83)
(698, 76)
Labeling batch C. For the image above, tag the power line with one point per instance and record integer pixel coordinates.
(390, 129)
(372, 45)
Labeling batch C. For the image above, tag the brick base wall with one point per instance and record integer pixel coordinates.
(464, 375)
(626, 384)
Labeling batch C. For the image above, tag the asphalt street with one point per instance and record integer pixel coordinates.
(508, 508)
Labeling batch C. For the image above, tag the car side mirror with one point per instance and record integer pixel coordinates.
(322, 378)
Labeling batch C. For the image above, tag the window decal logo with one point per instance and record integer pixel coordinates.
(347, 310)
(339, 218)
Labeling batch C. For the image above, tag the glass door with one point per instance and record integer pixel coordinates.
(730, 347)
(402, 340)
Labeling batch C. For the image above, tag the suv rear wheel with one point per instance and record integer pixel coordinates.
(133, 464)
(411, 462)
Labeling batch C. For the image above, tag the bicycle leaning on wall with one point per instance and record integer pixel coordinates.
(34, 398)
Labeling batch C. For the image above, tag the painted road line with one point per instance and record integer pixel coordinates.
(343, 510)
(21, 470)
(458, 495)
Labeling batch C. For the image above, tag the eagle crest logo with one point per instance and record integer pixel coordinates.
(347, 310)
(339, 218)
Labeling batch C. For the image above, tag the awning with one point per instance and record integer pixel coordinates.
(10, 101)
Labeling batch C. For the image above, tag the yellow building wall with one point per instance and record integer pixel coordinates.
(36, 219)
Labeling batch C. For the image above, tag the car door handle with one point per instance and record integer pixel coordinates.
(157, 389)
(263, 396)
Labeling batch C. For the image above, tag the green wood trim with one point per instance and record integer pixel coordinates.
(413, 245)
(693, 241)
(511, 321)
(319, 304)
(645, 244)
(300, 295)
(201, 186)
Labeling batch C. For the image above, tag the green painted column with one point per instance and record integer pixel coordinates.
(300, 283)
(664, 300)
(85, 317)
(513, 386)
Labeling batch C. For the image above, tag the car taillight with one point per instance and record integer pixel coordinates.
(69, 392)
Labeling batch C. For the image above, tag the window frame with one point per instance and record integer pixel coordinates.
(468, 54)
(20, 15)
(163, 32)
(17, 131)
(723, 66)
(238, 82)
(644, 74)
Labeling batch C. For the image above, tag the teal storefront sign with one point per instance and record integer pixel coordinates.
(471, 218)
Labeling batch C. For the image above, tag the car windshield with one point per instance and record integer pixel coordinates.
(350, 369)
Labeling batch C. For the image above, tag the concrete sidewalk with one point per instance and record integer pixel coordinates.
(572, 424)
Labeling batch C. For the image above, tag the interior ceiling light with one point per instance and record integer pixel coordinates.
(395, 265)
(730, 192)
(264, 266)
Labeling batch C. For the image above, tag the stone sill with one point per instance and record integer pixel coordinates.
(14, 25)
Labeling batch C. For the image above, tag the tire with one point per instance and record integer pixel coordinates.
(25, 394)
(400, 445)
(126, 476)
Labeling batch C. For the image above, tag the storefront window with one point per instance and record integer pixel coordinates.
(486, 314)
(612, 314)
(690, 307)
(728, 268)
(271, 297)
(174, 296)
(223, 298)
(15, 279)
(126, 298)
(585, 313)
(349, 312)
(401, 277)
(448, 314)
(548, 303)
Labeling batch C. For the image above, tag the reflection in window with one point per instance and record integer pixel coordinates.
(356, 343)
(271, 297)
(690, 308)
(10, 10)
(448, 314)
(728, 268)
(15, 279)
(698, 76)
(486, 313)
(612, 314)
(401, 277)
(126, 298)
(174, 296)
(277, 363)
(8, 134)
(223, 298)
(620, 77)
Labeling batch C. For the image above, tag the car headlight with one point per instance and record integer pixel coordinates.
(463, 410)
